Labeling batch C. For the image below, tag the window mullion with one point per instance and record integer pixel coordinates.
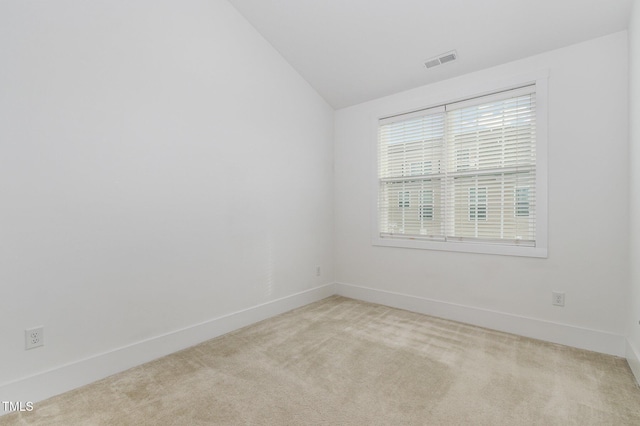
(502, 205)
(447, 202)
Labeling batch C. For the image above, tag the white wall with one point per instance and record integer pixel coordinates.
(160, 165)
(633, 349)
(588, 181)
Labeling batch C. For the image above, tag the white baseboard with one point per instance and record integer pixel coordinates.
(64, 378)
(633, 358)
(569, 335)
(79, 373)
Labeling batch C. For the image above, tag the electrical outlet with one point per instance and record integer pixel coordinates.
(557, 298)
(318, 272)
(34, 337)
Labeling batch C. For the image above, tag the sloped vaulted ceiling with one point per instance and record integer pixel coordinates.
(352, 51)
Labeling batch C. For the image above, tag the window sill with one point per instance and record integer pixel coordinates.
(465, 247)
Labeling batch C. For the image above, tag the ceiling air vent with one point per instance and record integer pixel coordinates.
(441, 59)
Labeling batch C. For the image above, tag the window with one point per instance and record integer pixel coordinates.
(465, 175)
(404, 199)
(420, 168)
(522, 202)
(477, 204)
(426, 205)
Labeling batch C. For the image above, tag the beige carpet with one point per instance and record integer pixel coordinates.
(345, 362)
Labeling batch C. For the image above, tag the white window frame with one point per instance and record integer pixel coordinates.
(540, 79)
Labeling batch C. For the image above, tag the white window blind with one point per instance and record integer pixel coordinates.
(462, 172)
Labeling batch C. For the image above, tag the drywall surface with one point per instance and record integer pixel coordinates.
(161, 165)
(634, 139)
(588, 199)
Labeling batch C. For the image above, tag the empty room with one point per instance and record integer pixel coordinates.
(292, 212)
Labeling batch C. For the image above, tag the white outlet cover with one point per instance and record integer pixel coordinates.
(557, 298)
(34, 337)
